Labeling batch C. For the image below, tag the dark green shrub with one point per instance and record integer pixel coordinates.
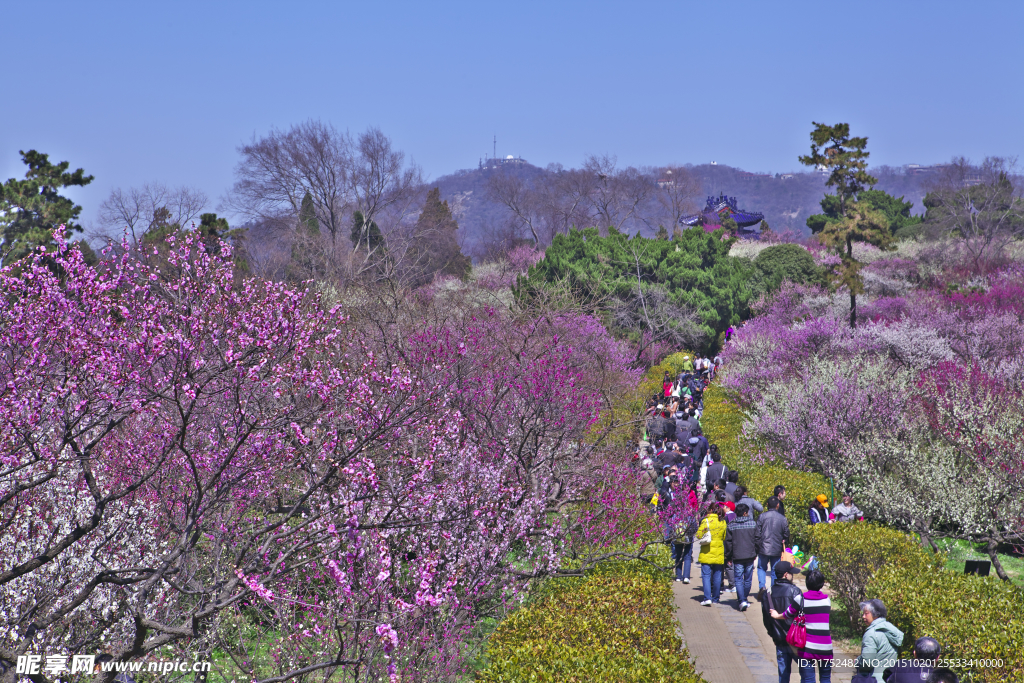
(694, 269)
(786, 262)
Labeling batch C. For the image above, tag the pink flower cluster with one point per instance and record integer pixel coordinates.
(183, 451)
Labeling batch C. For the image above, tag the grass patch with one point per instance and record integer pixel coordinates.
(958, 552)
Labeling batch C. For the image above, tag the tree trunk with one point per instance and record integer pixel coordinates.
(990, 548)
(853, 295)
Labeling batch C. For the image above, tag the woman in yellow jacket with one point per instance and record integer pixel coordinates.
(712, 555)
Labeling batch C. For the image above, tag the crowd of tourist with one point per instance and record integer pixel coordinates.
(734, 533)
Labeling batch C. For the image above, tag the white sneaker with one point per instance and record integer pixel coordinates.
(706, 603)
(744, 606)
(686, 581)
(678, 579)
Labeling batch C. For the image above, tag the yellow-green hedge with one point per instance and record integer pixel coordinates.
(613, 626)
(625, 419)
(722, 422)
(651, 383)
(971, 617)
(851, 553)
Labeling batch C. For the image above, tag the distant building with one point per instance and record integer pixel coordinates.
(786, 176)
(494, 162)
(718, 208)
(918, 169)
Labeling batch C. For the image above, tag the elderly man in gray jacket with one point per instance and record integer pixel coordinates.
(770, 539)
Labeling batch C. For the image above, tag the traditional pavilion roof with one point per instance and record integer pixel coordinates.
(718, 208)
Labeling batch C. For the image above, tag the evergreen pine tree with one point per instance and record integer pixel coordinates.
(861, 224)
(845, 159)
(729, 225)
(31, 209)
(437, 249)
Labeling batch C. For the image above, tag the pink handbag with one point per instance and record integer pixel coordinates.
(797, 636)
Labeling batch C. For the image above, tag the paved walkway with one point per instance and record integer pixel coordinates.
(729, 646)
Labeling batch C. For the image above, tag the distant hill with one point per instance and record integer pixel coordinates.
(786, 200)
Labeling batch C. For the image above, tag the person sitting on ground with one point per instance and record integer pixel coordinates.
(816, 606)
(920, 665)
(847, 511)
(742, 497)
(739, 549)
(879, 642)
(816, 513)
(779, 599)
(770, 538)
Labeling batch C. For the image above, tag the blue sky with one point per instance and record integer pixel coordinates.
(166, 91)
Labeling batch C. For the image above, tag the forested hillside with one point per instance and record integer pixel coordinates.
(786, 200)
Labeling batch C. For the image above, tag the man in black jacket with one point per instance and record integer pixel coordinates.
(739, 549)
(780, 597)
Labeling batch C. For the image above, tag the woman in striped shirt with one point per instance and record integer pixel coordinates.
(815, 605)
